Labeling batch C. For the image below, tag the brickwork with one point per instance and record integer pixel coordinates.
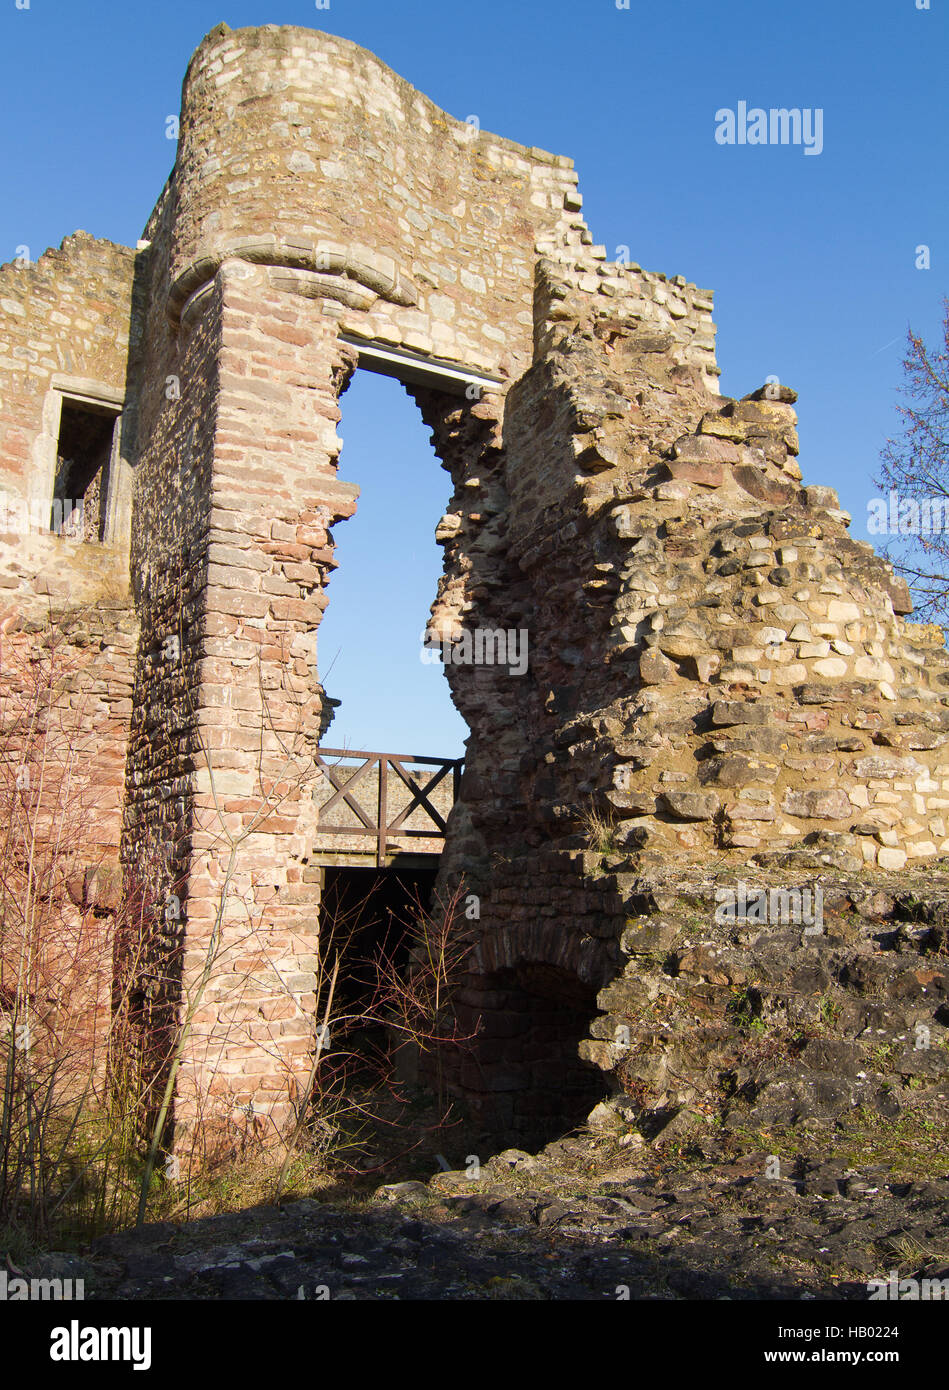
(67, 642)
(302, 150)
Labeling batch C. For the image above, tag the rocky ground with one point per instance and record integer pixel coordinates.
(586, 1219)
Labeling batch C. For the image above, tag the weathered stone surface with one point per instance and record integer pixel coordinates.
(759, 485)
(821, 497)
(737, 770)
(682, 640)
(654, 668)
(701, 448)
(818, 805)
(729, 712)
(692, 805)
(707, 473)
(885, 767)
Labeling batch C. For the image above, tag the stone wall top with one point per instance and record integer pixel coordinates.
(301, 150)
(66, 325)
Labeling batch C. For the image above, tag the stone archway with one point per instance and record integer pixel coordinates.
(525, 1007)
(526, 1083)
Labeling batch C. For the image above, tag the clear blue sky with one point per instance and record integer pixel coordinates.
(811, 258)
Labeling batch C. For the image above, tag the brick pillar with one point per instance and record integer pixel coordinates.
(249, 904)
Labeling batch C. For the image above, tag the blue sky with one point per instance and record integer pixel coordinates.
(812, 259)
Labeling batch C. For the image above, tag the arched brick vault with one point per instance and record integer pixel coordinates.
(715, 668)
(544, 943)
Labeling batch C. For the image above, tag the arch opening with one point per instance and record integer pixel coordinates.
(372, 658)
(367, 914)
(394, 701)
(524, 1079)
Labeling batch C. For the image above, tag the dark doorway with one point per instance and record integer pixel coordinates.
(368, 914)
(525, 1080)
(83, 456)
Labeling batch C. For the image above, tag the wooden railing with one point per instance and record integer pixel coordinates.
(375, 820)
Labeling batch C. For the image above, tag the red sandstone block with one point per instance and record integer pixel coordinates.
(271, 584)
(300, 610)
(707, 472)
(280, 825)
(299, 337)
(204, 1015)
(245, 578)
(255, 482)
(236, 603)
(220, 624)
(312, 536)
(303, 574)
(245, 557)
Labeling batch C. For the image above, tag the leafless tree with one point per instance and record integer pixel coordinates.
(915, 467)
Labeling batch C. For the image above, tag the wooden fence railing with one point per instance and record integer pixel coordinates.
(391, 769)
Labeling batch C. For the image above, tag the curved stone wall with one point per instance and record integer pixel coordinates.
(303, 150)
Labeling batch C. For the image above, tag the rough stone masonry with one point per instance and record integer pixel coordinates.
(722, 686)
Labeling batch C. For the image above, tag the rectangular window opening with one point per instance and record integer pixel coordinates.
(84, 452)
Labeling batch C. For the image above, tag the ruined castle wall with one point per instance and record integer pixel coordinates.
(176, 393)
(717, 671)
(274, 493)
(715, 668)
(66, 326)
(237, 489)
(296, 145)
(670, 550)
(572, 284)
(67, 632)
(299, 213)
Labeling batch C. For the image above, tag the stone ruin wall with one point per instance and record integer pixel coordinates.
(68, 631)
(716, 670)
(254, 278)
(67, 325)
